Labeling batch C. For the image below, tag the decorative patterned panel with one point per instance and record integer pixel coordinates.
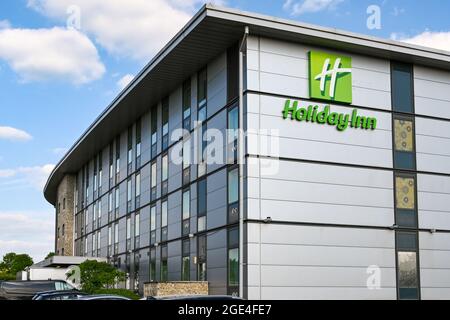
(404, 135)
(405, 192)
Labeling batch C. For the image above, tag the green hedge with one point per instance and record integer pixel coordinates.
(119, 292)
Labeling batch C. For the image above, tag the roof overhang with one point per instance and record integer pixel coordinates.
(210, 32)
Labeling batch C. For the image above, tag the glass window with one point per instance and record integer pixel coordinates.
(154, 174)
(154, 125)
(164, 267)
(110, 202)
(186, 153)
(153, 264)
(407, 275)
(165, 167)
(233, 186)
(201, 197)
(138, 184)
(233, 124)
(233, 267)
(185, 267)
(406, 241)
(99, 209)
(129, 191)
(153, 218)
(402, 87)
(164, 213)
(138, 138)
(405, 192)
(116, 233)
(117, 198)
(109, 235)
(233, 238)
(186, 102)
(404, 149)
(94, 244)
(130, 145)
(99, 237)
(186, 204)
(201, 224)
(128, 228)
(202, 88)
(165, 116)
(137, 225)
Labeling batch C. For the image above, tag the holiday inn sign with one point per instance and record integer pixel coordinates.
(330, 78)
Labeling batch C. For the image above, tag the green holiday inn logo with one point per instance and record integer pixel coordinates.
(341, 121)
(330, 77)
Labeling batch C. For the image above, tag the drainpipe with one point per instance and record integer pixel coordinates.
(241, 159)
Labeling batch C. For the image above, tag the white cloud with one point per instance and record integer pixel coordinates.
(309, 6)
(398, 11)
(124, 81)
(13, 134)
(4, 24)
(136, 29)
(51, 54)
(437, 40)
(34, 177)
(27, 232)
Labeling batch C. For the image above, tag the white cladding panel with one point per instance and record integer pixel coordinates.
(435, 265)
(432, 92)
(433, 145)
(313, 193)
(280, 67)
(433, 201)
(303, 262)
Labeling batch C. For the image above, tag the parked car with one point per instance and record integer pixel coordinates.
(25, 290)
(59, 295)
(103, 297)
(194, 297)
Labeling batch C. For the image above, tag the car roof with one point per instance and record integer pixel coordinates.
(96, 296)
(196, 297)
(60, 292)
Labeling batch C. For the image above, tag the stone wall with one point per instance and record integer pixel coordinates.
(65, 216)
(175, 288)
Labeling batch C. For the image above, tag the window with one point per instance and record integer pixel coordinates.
(128, 228)
(117, 159)
(95, 182)
(99, 237)
(186, 161)
(116, 233)
(137, 225)
(63, 229)
(109, 239)
(202, 84)
(154, 128)
(100, 172)
(165, 123)
(64, 203)
(111, 164)
(201, 205)
(164, 266)
(94, 215)
(164, 220)
(138, 143)
(402, 87)
(186, 211)
(233, 260)
(233, 195)
(233, 134)
(130, 146)
(164, 174)
(87, 184)
(58, 209)
(94, 243)
(203, 143)
(117, 200)
(99, 211)
(86, 218)
(152, 264)
(153, 181)
(153, 218)
(137, 189)
(153, 225)
(185, 264)
(407, 265)
(110, 202)
(405, 200)
(404, 144)
(86, 246)
(187, 105)
(232, 72)
(129, 195)
(201, 258)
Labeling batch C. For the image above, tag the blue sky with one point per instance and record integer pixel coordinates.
(55, 80)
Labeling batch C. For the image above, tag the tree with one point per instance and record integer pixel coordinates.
(13, 263)
(50, 254)
(95, 276)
